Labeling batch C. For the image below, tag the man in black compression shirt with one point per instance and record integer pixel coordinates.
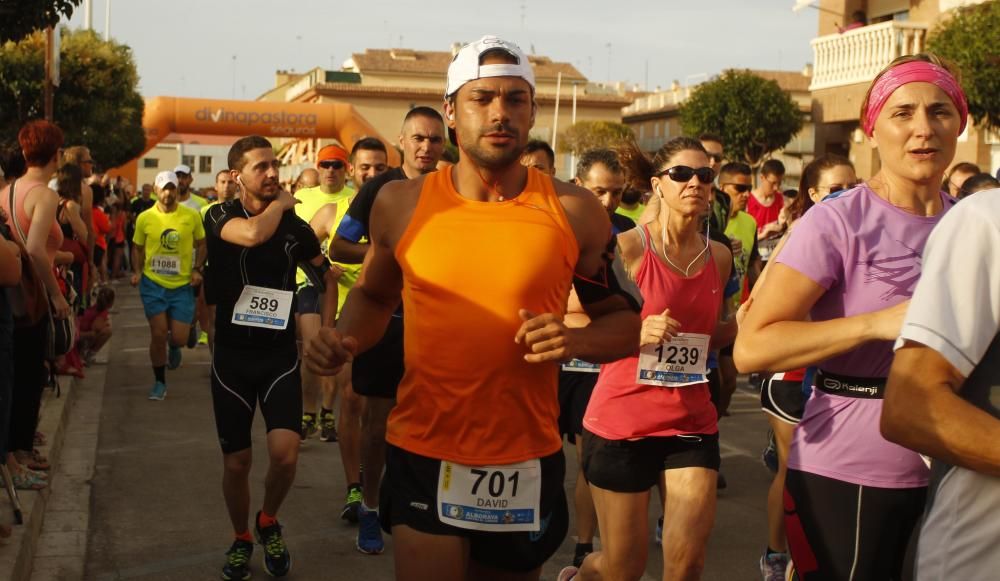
(254, 244)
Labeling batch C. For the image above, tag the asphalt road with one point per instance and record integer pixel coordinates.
(157, 510)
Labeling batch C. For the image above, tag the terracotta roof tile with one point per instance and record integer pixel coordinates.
(411, 61)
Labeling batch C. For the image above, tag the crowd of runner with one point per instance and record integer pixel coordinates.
(448, 323)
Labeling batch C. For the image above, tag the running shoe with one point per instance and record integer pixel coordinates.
(353, 504)
(237, 567)
(308, 427)
(174, 356)
(658, 535)
(192, 341)
(773, 566)
(567, 574)
(770, 453)
(203, 338)
(369, 532)
(328, 427)
(277, 561)
(158, 392)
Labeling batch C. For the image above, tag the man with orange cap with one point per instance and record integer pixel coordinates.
(333, 166)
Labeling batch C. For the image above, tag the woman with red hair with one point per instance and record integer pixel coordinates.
(31, 213)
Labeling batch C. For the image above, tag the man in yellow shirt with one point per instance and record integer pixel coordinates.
(168, 254)
(333, 165)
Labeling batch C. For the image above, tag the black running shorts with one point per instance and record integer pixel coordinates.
(378, 371)
(840, 530)
(409, 498)
(241, 377)
(636, 465)
(575, 388)
(783, 399)
(308, 300)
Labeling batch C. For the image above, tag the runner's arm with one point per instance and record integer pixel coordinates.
(343, 250)
(614, 326)
(331, 290)
(725, 329)
(923, 412)
(377, 293)
(775, 335)
(249, 232)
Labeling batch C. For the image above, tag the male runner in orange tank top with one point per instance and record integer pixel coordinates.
(483, 255)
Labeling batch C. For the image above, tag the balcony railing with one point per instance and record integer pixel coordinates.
(856, 56)
(657, 101)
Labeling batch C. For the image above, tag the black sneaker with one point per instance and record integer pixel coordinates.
(328, 427)
(277, 561)
(237, 567)
(353, 505)
(192, 341)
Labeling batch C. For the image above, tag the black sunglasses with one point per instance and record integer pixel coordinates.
(331, 164)
(683, 173)
(740, 188)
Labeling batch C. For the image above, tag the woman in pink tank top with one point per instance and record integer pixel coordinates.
(33, 213)
(651, 413)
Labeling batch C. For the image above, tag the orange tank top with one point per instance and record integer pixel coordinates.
(468, 395)
(21, 191)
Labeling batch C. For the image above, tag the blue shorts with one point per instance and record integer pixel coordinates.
(177, 303)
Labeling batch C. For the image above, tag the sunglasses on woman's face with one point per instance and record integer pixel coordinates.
(740, 188)
(683, 173)
(331, 164)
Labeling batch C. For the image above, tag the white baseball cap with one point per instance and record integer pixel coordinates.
(182, 169)
(465, 66)
(165, 177)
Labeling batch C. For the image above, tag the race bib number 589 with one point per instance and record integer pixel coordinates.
(262, 307)
(490, 498)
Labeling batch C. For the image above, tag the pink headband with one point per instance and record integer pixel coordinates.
(913, 72)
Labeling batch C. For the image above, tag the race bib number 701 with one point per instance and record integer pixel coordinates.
(490, 498)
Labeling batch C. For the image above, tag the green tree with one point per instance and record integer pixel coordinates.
(22, 17)
(754, 116)
(96, 104)
(971, 40)
(586, 135)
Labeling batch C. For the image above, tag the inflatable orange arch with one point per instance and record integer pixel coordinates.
(166, 115)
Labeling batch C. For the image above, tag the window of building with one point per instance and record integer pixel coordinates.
(642, 131)
(187, 160)
(150, 162)
(204, 164)
(666, 130)
(656, 129)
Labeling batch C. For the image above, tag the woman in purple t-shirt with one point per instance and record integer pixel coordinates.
(836, 299)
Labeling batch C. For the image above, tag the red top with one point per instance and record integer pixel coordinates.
(102, 226)
(621, 408)
(118, 228)
(764, 215)
(89, 316)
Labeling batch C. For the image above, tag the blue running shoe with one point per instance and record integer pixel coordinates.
(369, 532)
(174, 357)
(237, 567)
(158, 392)
(277, 561)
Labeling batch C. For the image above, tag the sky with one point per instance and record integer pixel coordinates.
(231, 49)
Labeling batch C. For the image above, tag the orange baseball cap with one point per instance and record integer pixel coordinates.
(332, 152)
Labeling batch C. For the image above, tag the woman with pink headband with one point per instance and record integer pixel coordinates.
(835, 299)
